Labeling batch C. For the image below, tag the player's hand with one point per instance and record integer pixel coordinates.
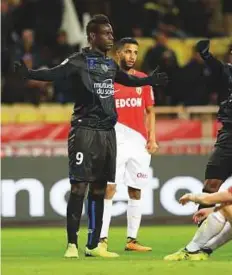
(203, 48)
(186, 198)
(152, 147)
(20, 68)
(201, 214)
(159, 78)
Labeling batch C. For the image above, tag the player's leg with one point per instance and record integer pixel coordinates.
(108, 203)
(74, 211)
(210, 228)
(219, 166)
(211, 185)
(136, 178)
(215, 173)
(82, 170)
(134, 214)
(105, 165)
(218, 169)
(77, 157)
(122, 157)
(219, 240)
(95, 213)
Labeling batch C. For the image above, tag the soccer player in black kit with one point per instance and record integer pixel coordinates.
(92, 141)
(218, 169)
(219, 166)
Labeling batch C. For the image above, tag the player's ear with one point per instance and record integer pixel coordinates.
(92, 36)
(118, 54)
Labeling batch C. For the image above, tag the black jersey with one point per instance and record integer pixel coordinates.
(225, 110)
(92, 77)
(222, 74)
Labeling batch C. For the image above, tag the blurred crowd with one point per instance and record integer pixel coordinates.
(191, 84)
(31, 30)
(179, 18)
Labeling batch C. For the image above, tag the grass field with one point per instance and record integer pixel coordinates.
(39, 251)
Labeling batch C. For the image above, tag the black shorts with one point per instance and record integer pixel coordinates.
(92, 155)
(220, 162)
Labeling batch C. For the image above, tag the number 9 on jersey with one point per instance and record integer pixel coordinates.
(79, 158)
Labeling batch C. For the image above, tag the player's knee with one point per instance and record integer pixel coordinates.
(97, 190)
(212, 185)
(110, 191)
(79, 188)
(226, 211)
(134, 194)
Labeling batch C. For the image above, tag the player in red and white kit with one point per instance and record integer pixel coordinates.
(136, 142)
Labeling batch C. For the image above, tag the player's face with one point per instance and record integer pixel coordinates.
(128, 56)
(103, 38)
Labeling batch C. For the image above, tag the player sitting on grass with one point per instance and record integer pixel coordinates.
(217, 222)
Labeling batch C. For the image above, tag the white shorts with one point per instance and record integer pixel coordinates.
(133, 161)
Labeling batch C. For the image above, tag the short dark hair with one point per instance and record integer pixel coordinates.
(98, 19)
(126, 40)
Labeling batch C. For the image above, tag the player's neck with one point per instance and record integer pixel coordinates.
(96, 49)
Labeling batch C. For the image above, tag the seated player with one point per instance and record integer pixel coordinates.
(135, 144)
(217, 221)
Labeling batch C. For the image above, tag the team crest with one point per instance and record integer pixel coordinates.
(139, 90)
(91, 63)
(104, 67)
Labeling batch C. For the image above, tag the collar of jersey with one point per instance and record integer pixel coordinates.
(90, 52)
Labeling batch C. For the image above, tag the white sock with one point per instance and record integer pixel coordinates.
(106, 218)
(133, 217)
(223, 237)
(211, 227)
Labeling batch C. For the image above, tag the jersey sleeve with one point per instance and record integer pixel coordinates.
(62, 71)
(125, 79)
(148, 96)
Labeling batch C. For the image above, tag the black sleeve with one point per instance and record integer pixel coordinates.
(62, 71)
(130, 80)
(215, 65)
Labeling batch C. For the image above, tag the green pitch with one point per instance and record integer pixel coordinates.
(39, 251)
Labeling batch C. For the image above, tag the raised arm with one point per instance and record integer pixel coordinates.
(154, 79)
(61, 71)
(214, 64)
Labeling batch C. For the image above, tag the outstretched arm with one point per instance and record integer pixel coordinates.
(59, 72)
(154, 79)
(208, 199)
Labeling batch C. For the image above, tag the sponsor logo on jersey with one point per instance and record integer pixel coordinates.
(129, 102)
(105, 88)
(139, 90)
(142, 176)
(104, 67)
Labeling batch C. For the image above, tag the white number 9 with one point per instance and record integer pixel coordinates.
(79, 158)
